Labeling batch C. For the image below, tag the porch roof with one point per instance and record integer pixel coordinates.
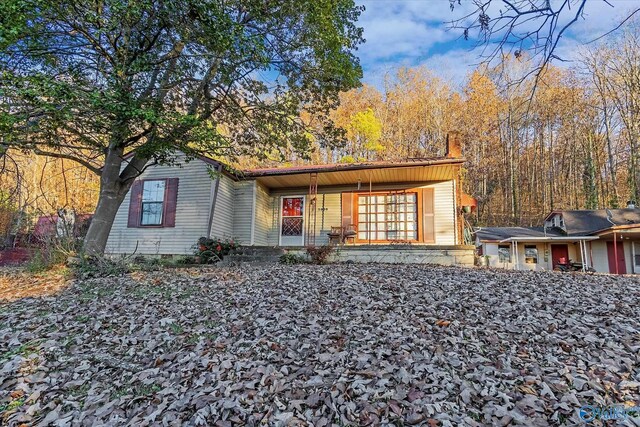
(631, 231)
(525, 234)
(562, 239)
(423, 170)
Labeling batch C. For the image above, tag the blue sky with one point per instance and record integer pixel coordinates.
(415, 32)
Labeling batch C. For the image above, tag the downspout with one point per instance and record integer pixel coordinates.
(214, 198)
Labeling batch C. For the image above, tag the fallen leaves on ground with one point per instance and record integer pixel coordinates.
(321, 345)
(16, 283)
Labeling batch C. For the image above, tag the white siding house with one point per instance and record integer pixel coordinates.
(193, 205)
(607, 240)
(404, 205)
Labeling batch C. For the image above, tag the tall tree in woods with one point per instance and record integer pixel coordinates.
(93, 80)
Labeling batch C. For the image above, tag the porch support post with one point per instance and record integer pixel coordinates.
(615, 252)
(583, 258)
(513, 255)
(517, 256)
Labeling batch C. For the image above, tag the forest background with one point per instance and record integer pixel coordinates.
(565, 138)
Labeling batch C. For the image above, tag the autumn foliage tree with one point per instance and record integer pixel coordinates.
(91, 81)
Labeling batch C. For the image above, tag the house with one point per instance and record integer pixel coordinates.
(383, 211)
(606, 239)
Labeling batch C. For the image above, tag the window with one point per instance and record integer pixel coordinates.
(530, 254)
(388, 216)
(152, 202)
(504, 253)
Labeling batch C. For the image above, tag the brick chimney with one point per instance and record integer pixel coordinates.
(454, 148)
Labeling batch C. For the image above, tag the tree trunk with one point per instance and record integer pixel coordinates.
(112, 193)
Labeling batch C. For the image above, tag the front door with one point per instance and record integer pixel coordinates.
(292, 221)
(559, 254)
(611, 252)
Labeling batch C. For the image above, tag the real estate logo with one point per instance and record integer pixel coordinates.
(590, 413)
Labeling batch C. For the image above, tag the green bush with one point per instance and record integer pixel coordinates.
(185, 260)
(291, 258)
(94, 266)
(52, 252)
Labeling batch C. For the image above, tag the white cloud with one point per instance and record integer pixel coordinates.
(414, 32)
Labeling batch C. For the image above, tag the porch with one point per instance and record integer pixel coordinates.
(618, 250)
(543, 253)
(460, 255)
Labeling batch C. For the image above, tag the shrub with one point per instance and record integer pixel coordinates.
(51, 252)
(211, 250)
(94, 266)
(185, 260)
(320, 254)
(291, 258)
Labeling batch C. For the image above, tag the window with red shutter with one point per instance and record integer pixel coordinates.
(135, 201)
(153, 203)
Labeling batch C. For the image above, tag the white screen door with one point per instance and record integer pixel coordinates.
(292, 221)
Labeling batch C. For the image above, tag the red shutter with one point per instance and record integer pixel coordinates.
(135, 204)
(428, 226)
(347, 210)
(171, 200)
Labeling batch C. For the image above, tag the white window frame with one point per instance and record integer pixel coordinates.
(162, 202)
(304, 223)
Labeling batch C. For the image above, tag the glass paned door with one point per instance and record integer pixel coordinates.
(292, 221)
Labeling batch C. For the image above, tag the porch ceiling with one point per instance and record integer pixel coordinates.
(375, 176)
(624, 233)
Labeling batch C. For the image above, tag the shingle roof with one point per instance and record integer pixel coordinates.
(502, 233)
(582, 222)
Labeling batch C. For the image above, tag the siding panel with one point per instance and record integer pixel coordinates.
(222, 223)
(243, 211)
(263, 216)
(192, 214)
(444, 213)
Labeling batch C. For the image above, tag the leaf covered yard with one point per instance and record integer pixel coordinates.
(320, 345)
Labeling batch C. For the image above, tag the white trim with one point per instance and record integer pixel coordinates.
(456, 239)
(547, 239)
(253, 215)
(304, 209)
(211, 197)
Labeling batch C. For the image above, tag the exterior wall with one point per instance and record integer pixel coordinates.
(243, 212)
(330, 200)
(263, 216)
(601, 258)
(192, 214)
(444, 212)
(545, 263)
(222, 221)
(399, 254)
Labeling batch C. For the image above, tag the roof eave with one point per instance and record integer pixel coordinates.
(348, 167)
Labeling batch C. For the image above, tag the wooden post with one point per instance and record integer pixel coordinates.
(615, 251)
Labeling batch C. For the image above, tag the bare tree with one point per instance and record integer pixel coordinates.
(532, 26)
